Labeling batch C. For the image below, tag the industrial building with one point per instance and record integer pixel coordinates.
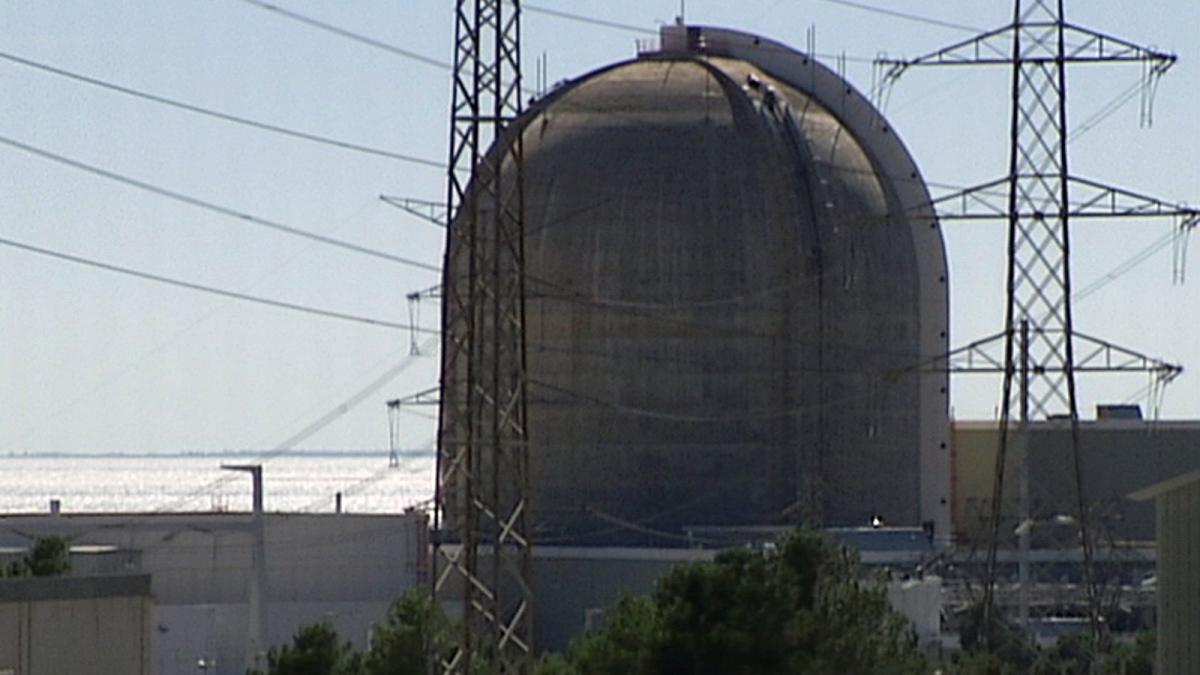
(77, 625)
(345, 569)
(1177, 507)
(1119, 456)
(577, 585)
(735, 320)
(735, 287)
(732, 275)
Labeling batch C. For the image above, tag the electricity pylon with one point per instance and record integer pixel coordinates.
(482, 547)
(1041, 201)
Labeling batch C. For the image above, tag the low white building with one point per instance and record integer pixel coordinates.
(341, 568)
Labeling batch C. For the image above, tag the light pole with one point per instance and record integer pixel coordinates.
(257, 610)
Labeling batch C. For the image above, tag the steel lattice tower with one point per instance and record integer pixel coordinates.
(1041, 349)
(482, 548)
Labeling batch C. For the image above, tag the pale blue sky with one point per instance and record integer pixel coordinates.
(94, 361)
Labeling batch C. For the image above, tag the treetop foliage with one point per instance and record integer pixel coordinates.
(797, 607)
(49, 557)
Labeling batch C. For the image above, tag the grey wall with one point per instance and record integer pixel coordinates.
(76, 625)
(1118, 457)
(571, 583)
(343, 568)
(217, 632)
(575, 586)
(1179, 579)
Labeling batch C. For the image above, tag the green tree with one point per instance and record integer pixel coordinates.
(316, 649)
(1136, 658)
(796, 608)
(416, 632)
(49, 557)
(1070, 655)
(554, 664)
(1011, 649)
(626, 645)
(1013, 653)
(981, 662)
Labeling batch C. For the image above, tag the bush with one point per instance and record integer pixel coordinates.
(49, 557)
(795, 608)
(315, 650)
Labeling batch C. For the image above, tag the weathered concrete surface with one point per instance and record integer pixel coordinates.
(1177, 508)
(729, 289)
(76, 625)
(345, 569)
(1118, 457)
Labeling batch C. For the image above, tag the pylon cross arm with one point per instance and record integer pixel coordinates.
(1093, 355)
(1096, 355)
(424, 397)
(1090, 199)
(994, 47)
(433, 212)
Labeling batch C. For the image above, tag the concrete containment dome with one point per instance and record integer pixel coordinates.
(733, 278)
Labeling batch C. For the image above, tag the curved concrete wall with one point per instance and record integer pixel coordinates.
(729, 283)
(888, 153)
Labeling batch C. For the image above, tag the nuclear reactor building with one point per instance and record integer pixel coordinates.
(734, 284)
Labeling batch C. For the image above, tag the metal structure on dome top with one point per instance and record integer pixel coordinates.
(1041, 349)
(482, 553)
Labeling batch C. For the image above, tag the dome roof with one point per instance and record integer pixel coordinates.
(724, 262)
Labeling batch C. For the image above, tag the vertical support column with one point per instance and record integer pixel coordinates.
(1039, 273)
(256, 643)
(393, 409)
(1025, 529)
(482, 552)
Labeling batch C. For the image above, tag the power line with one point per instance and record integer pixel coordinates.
(1105, 111)
(357, 37)
(580, 18)
(211, 289)
(88, 393)
(904, 15)
(216, 208)
(647, 31)
(796, 411)
(1126, 266)
(307, 432)
(345, 145)
(588, 19)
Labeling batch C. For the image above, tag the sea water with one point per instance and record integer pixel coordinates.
(292, 482)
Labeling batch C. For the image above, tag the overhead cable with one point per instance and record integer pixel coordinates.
(648, 31)
(588, 19)
(904, 15)
(357, 37)
(216, 208)
(304, 434)
(211, 289)
(346, 145)
(723, 418)
(1124, 267)
(1105, 111)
